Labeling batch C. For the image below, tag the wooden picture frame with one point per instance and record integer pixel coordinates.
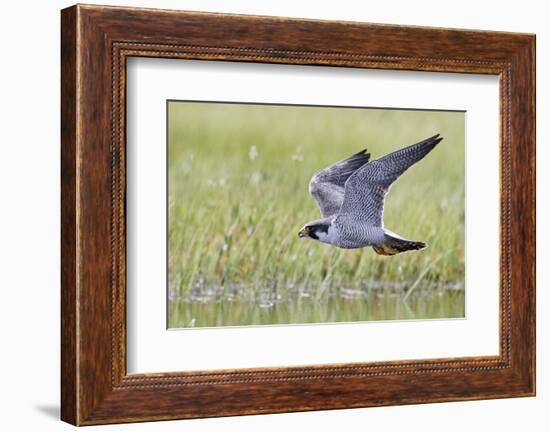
(95, 43)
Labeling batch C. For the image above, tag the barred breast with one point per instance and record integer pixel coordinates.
(352, 234)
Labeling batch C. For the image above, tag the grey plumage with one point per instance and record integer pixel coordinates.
(327, 185)
(366, 189)
(351, 194)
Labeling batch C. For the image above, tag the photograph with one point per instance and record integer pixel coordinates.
(275, 216)
(296, 214)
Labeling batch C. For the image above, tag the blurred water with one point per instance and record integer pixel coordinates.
(211, 305)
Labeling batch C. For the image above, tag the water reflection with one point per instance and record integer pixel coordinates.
(207, 305)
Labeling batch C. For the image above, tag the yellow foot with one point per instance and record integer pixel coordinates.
(385, 250)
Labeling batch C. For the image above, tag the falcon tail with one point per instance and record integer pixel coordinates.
(394, 244)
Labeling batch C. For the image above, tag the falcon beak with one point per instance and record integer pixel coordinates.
(303, 233)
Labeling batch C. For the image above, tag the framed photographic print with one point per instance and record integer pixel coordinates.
(265, 215)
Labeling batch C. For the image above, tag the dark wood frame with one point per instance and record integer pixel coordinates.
(95, 43)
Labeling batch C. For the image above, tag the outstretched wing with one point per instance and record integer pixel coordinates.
(327, 186)
(366, 189)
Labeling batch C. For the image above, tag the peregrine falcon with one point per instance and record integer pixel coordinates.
(350, 195)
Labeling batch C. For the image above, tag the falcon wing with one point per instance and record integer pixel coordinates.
(327, 186)
(366, 189)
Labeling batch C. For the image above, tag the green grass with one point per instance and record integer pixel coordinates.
(238, 194)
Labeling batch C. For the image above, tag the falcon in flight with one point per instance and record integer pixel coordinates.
(351, 195)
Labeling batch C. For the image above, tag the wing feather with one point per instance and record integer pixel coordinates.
(327, 185)
(366, 189)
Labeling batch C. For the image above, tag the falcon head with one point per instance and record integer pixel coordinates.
(320, 230)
